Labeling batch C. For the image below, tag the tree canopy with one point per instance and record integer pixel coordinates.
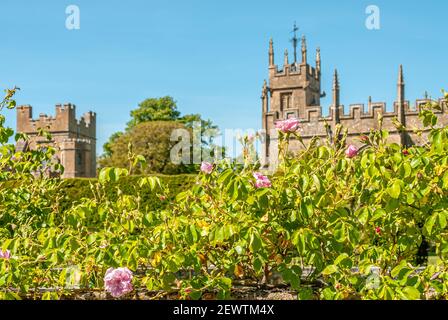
(149, 132)
(151, 139)
(154, 109)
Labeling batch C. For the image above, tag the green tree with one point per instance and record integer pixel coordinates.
(154, 109)
(108, 145)
(150, 139)
(163, 109)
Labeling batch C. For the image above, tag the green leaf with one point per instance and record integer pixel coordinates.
(395, 271)
(195, 294)
(11, 104)
(442, 219)
(378, 214)
(194, 233)
(323, 152)
(255, 243)
(340, 258)
(258, 265)
(407, 170)
(139, 159)
(328, 294)
(343, 261)
(445, 180)
(429, 224)
(330, 270)
(305, 294)
(437, 141)
(411, 293)
(292, 276)
(225, 176)
(395, 190)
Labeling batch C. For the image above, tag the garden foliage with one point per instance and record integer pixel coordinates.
(333, 223)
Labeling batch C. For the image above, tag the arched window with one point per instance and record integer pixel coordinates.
(78, 158)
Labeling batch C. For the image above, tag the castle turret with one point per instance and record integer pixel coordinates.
(336, 102)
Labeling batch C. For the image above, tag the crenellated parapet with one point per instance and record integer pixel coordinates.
(360, 118)
(64, 121)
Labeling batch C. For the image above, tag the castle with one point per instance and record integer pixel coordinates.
(295, 91)
(75, 141)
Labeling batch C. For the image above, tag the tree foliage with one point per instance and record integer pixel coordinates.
(157, 110)
(154, 109)
(151, 140)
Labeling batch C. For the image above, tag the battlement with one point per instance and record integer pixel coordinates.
(295, 69)
(357, 112)
(64, 121)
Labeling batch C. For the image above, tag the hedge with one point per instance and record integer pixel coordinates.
(77, 188)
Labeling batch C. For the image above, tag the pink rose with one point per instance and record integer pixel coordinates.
(5, 254)
(261, 181)
(118, 281)
(288, 125)
(351, 151)
(206, 167)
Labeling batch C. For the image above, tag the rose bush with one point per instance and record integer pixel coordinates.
(329, 224)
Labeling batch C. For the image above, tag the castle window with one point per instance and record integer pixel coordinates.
(286, 100)
(79, 158)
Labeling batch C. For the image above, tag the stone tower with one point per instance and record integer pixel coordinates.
(74, 140)
(295, 91)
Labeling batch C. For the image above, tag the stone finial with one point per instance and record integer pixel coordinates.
(286, 61)
(336, 95)
(400, 75)
(400, 85)
(271, 53)
(401, 105)
(264, 97)
(335, 80)
(318, 60)
(303, 49)
(264, 90)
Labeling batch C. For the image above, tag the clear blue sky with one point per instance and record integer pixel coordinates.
(211, 56)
